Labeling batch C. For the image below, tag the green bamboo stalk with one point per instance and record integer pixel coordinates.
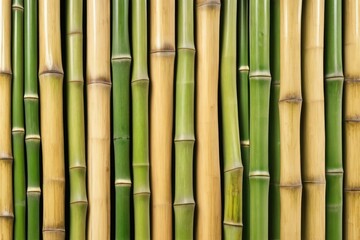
(274, 124)
(184, 203)
(32, 137)
(18, 131)
(243, 104)
(75, 119)
(260, 80)
(140, 122)
(233, 169)
(121, 63)
(334, 80)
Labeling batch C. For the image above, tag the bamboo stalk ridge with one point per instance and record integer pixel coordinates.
(162, 59)
(243, 105)
(352, 119)
(334, 80)
(290, 102)
(75, 119)
(18, 131)
(140, 121)
(260, 81)
(208, 193)
(98, 118)
(32, 121)
(51, 101)
(184, 203)
(313, 121)
(233, 169)
(6, 157)
(121, 66)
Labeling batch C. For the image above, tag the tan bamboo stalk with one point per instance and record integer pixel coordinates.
(6, 158)
(352, 119)
(51, 115)
(313, 121)
(162, 59)
(98, 117)
(289, 111)
(208, 194)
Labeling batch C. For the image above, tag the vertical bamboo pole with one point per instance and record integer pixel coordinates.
(98, 117)
(289, 109)
(208, 193)
(32, 124)
(313, 121)
(75, 119)
(352, 119)
(51, 105)
(6, 158)
(184, 203)
(162, 58)
(233, 169)
(334, 80)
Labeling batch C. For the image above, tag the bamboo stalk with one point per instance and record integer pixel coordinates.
(184, 203)
(243, 104)
(32, 124)
(334, 80)
(352, 119)
(18, 131)
(260, 81)
(121, 66)
(274, 122)
(233, 169)
(313, 121)
(98, 118)
(208, 193)
(75, 119)
(51, 105)
(162, 58)
(290, 101)
(6, 158)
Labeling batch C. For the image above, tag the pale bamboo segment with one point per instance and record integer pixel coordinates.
(6, 158)
(98, 118)
(289, 111)
(313, 121)
(162, 60)
(352, 118)
(208, 193)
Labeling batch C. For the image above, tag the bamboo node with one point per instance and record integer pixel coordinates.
(4, 157)
(190, 49)
(178, 204)
(142, 193)
(245, 143)
(32, 137)
(52, 72)
(233, 224)
(337, 171)
(123, 182)
(53, 229)
(6, 214)
(33, 190)
(31, 96)
(244, 68)
(122, 57)
(9, 73)
(165, 52)
(146, 80)
(209, 3)
(240, 167)
(18, 130)
(74, 33)
(17, 6)
(261, 174)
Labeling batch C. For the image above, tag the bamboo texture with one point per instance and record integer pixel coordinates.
(98, 118)
(32, 121)
(208, 193)
(6, 157)
(75, 119)
(121, 63)
(352, 119)
(233, 169)
(290, 102)
(334, 80)
(140, 120)
(184, 203)
(162, 59)
(51, 105)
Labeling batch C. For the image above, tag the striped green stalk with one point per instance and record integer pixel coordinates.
(334, 79)
(121, 63)
(32, 137)
(274, 124)
(140, 123)
(233, 169)
(243, 104)
(260, 80)
(184, 203)
(75, 119)
(18, 131)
